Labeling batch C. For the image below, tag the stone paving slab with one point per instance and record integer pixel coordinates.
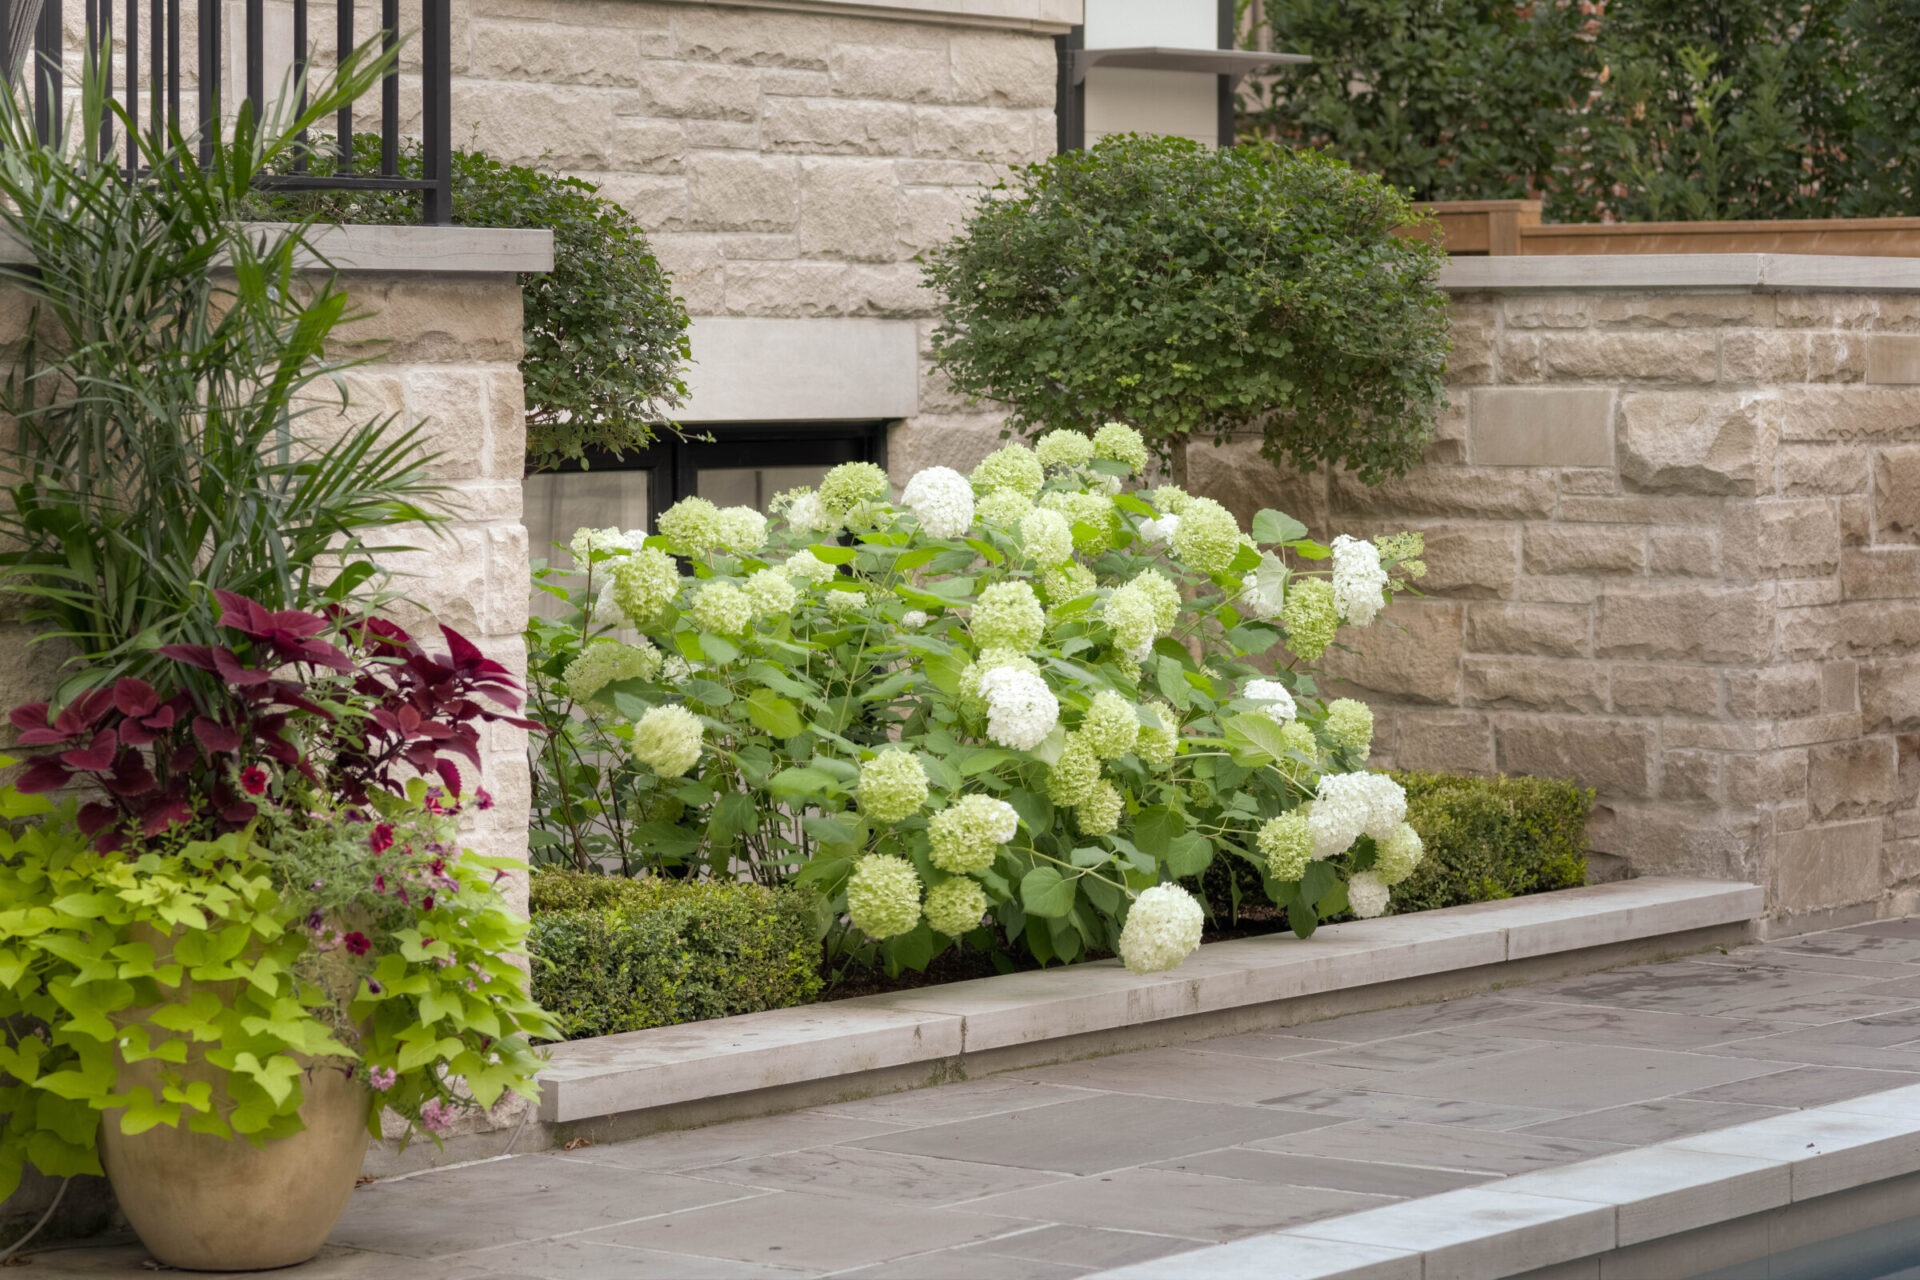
(1069, 1170)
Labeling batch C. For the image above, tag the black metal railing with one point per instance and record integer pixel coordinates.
(151, 89)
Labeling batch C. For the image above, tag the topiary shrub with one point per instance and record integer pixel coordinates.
(1200, 293)
(615, 954)
(1491, 838)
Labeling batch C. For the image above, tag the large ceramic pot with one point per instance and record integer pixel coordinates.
(204, 1203)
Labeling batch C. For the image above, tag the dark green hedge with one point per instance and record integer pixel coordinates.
(1491, 838)
(613, 954)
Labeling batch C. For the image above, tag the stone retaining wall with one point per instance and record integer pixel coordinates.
(1674, 538)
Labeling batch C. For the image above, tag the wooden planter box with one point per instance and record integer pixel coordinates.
(1513, 227)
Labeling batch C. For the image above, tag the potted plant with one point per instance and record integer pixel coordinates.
(258, 933)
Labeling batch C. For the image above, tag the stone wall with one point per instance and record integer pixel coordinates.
(1674, 538)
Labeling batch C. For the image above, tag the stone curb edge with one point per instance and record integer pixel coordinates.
(637, 1070)
(1574, 1212)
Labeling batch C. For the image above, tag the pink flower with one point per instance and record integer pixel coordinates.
(436, 1115)
(381, 839)
(382, 1078)
(481, 799)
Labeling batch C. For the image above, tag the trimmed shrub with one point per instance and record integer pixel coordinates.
(616, 954)
(1490, 838)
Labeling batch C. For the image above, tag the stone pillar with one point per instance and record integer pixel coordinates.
(1673, 524)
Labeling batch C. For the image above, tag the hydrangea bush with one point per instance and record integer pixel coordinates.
(1016, 707)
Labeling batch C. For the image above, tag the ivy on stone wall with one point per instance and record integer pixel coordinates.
(606, 337)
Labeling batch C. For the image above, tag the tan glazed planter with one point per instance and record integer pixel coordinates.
(204, 1203)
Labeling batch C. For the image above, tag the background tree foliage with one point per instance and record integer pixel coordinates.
(1191, 293)
(606, 338)
(1609, 110)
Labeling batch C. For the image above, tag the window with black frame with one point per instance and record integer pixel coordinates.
(735, 464)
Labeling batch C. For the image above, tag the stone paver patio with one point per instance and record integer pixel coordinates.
(1066, 1170)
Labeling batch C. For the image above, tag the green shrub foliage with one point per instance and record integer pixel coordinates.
(1490, 838)
(1193, 292)
(606, 339)
(617, 954)
(1641, 110)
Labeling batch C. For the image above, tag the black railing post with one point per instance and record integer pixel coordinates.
(390, 91)
(344, 128)
(436, 112)
(300, 77)
(257, 59)
(209, 77)
(49, 80)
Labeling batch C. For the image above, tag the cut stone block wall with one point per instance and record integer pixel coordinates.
(1674, 538)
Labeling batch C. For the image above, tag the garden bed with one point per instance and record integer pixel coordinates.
(1058, 1014)
(1507, 228)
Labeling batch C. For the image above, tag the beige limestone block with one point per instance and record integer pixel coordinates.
(1850, 779)
(1544, 426)
(1683, 310)
(1889, 413)
(644, 145)
(930, 216)
(567, 127)
(697, 265)
(1826, 866)
(1584, 549)
(1804, 470)
(1867, 628)
(730, 192)
(789, 289)
(1534, 684)
(889, 289)
(957, 440)
(1775, 692)
(757, 37)
(1684, 840)
(1791, 537)
(828, 126)
(891, 74)
(1767, 777)
(1699, 442)
(849, 208)
(1890, 694)
(1544, 630)
(431, 319)
(1417, 657)
(1704, 623)
(1665, 689)
(1880, 573)
(1547, 310)
(1639, 508)
(1691, 775)
(995, 134)
(1470, 560)
(1004, 69)
(1893, 358)
(657, 201)
(1445, 741)
(1683, 553)
(1680, 356)
(1479, 493)
(1896, 494)
(1239, 479)
(548, 53)
(1615, 757)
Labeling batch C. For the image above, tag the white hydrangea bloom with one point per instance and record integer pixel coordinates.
(668, 740)
(1021, 710)
(1350, 805)
(943, 499)
(742, 529)
(1159, 532)
(1046, 537)
(606, 610)
(1096, 482)
(1359, 583)
(1367, 894)
(807, 567)
(807, 514)
(913, 618)
(1278, 697)
(586, 541)
(1162, 929)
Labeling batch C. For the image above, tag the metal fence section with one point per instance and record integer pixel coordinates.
(137, 45)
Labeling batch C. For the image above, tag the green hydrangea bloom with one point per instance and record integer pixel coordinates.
(1295, 736)
(605, 661)
(1046, 537)
(844, 604)
(722, 608)
(1130, 615)
(1157, 744)
(1161, 594)
(668, 740)
(1287, 844)
(1396, 857)
(1072, 777)
(1169, 499)
(883, 896)
(742, 529)
(771, 593)
(967, 834)
(1208, 537)
(693, 526)
(1012, 466)
(1100, 812)
(1110, 726)
(853, 484)
(1310, 617)
(1003, 507)
(809, 568)
(1008, 615)
(1068, 582)
(987, 661)
(1410, 545)
(1091, 514)
(1350, 725)
(955, 906)
(1118, 442)
(1063, 450)
(644, 585)
(893, 786)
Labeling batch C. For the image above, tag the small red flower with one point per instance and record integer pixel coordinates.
(253, 780)
(381, 839)
(357, 943)
(482, 800)
(380, 884)
(426, 903)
